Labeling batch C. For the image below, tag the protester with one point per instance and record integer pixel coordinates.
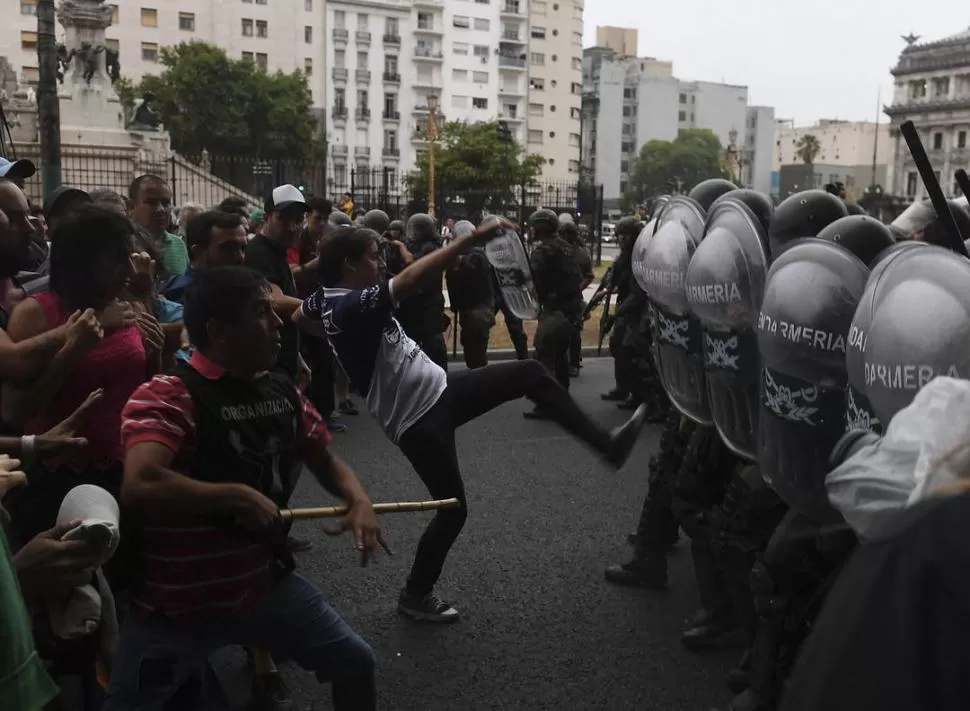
(211, 444)
(17, 171)
(214, 239)
(151, 200)
(186, 213)
(418, 405)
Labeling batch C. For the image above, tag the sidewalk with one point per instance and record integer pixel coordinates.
(587, 294)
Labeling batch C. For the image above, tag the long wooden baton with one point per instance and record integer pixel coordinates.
(933, 189)
(397, 507)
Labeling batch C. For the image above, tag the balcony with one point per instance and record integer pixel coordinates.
(363, 37)
(513, 90)
(339, 113)
(506, 62)
(512, 37)
(362, 151)
(511, 8)
(392, 78)
(431, 85)
(391, 152)
(426, 28)
(433, 4)
(428, 54)
(362, 114)
(340, 35)
(340, 74)
(362, 76)
(339, 151)
(513, 118)
(394, 40)
(392, 115)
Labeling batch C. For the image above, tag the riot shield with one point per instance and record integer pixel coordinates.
(919, 328)
(677, 334)
(811, 295)
(639, 255)
(725, 284)
(507, 256)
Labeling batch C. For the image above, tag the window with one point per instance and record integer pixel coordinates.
(149, 51)
(917, 89)
(390, 139)
(340, 59)
(426, 21)
(247, 27)
(626, 147)
(577, 64)
(955, 190)
(149, 17)
(247, 56)
(481, 50)
(629, 93)
(537, 59)
(459, 74)
(479, 103)
(362, 98)
(460, 48)
(626, 111)
(962, 139)
(31, 75)
(187, 21)
(480, 77)
(538, 32)
(911, 184)
(28, 7)
(262, 61)
(115, 15)
(390, 104)
(308, 34)
(28, 40)
(390, 64)
(535, 137)
(391, 26)
(624, 166)
(536, 110)
(941, 86)
(577, 89)
(362, 60)
(683, 98)
(482, 24)
(308, 5)
(308, 66)
(461, 21)
(339, 19)
(937, 141)
(260, 2)
(459, 102)
(681, 115)
(537, 84)
(574, 166)
(539, 7)
(575, 113)
(578, 39)
(262, 29)
(623, 186)
(113, 44)
(339, 98)
(361, 20)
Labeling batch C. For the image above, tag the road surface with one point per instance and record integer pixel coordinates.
(541, 628)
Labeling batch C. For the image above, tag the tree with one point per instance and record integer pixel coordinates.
(808, 148)
(48, 106)
(208, 101)
(476, 167)
(674, 166)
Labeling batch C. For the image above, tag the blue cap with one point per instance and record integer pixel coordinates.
(16, 169)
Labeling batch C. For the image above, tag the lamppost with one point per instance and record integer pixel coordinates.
(432, 138)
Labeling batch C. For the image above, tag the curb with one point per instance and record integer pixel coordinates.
(509, 354)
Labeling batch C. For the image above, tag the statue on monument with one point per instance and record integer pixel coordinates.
(143, 116)
(88, 56)
(112, 64)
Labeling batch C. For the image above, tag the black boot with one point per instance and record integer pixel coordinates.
(739, 678)
(615, 395)
(649, 573)
(631, 403)
(715, 631)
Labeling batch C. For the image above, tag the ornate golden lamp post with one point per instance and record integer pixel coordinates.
(432, 138)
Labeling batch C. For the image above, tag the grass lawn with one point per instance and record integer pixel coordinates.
(499, 336)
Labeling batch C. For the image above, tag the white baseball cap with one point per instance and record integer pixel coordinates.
(283, 197)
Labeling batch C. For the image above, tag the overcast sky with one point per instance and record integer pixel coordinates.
(809, 60)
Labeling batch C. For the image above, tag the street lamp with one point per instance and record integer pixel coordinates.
(432, 138)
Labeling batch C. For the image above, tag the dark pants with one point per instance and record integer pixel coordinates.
(156, 656)
(623, 357)
(516, 332)
(576, 347)
(474, 340)
(552, 343)
(429, 445)
(319, 357)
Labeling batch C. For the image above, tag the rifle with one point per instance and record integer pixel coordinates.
(606, 289)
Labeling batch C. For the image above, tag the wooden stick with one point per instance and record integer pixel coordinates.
(397, 507)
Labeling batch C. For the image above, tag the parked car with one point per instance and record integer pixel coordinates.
(608, 232)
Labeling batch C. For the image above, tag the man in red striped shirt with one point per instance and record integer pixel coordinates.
(211, 452)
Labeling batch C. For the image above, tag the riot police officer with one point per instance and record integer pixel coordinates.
(631, 301)
(558, 283)
(569, 232)
(422, 316)
(471, 298)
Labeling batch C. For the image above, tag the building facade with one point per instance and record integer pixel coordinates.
(932, 89)
(288, 37)
(629, 101)
(622, 40)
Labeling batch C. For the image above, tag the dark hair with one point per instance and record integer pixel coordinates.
(84, 237)
(219, 293)
(319, 204)
(232, 202)
(36, 210)
(135, 188)
(340, 244)
(198, 230)
(104, 196)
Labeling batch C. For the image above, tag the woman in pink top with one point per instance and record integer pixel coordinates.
(90, 266)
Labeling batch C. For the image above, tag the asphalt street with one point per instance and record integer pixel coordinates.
(541, 629)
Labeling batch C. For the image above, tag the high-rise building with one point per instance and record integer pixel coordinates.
(288, 39)
(622, 40)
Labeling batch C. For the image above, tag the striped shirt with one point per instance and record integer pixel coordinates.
(190, 569)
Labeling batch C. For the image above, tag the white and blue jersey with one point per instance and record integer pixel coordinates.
(399, 382)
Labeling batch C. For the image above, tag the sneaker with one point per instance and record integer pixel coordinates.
(615, 396)
(648, 574)
(270, 693)
(298, 545)
(426, 608)
(625, 437)
(348, 407)
(335, 426)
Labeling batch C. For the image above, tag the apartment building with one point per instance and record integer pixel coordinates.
(288, 36)
(622, 40)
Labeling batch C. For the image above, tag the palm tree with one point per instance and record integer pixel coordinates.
(48, 108)
(808, 148)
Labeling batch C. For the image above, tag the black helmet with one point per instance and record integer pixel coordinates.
(396, 225)
(760, 205)
(339, 219)
(804, 214)
(707, 191)
(569, 232)
(421, 227)
(376, 220)
(628, 226)
(865, 237)
(544, 217)
(935, 232)
(855, 208)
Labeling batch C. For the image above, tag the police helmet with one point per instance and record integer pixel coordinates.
(396, 226)
(855, 208)
(628, 227)
(462, 228)
(543, 219)
(421, 227)
(760, 205)
(864, 236)
(376, 220)
(566, 218)
(707, 191)
(804, 214)
(339, 219)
